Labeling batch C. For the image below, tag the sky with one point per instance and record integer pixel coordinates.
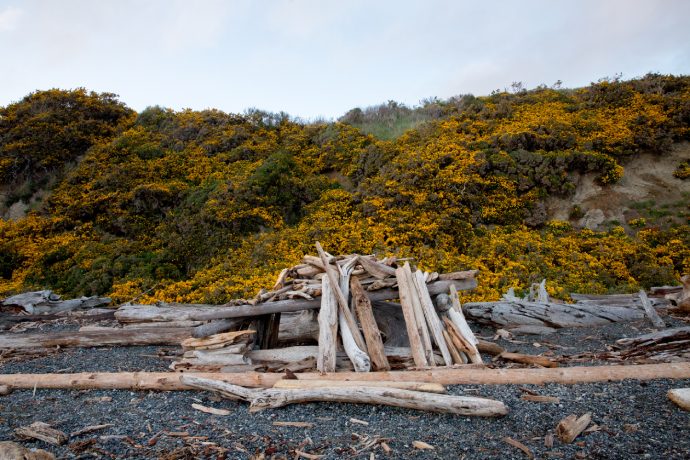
(320, 58)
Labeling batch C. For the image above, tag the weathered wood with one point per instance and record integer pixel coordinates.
(473, 375)
(14, 451)
(432, 319)
(683, 300)
(328, 328)
(211, 328)
(508, 315)
(273, 398)
(43, 432)
(96, 338)
(458, 318)
(218, 340)
(376, 269)
(570, 427)
(681, 397)
(342, 301)
(650, 311)
(293, 384)
(528, 359)
(466, 275)
(299, 327)
(372, 335)
(40, 302)
(144, 313)
(665, 345)
(458, 356)
(407, 292)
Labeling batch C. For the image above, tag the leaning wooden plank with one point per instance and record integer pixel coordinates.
(143, 313)
(460, 341)
(650, 311)
(273, 398)
(432, 319)
(680, 396)
(456, 376)
(293, 384)
(419, 316)
(98, 338)
(328, 328)
(372, 335)
(406, 293)
(342, 300)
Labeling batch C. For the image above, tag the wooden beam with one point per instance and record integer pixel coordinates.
(143, 313)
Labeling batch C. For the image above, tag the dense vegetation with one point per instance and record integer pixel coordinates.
(207, 206)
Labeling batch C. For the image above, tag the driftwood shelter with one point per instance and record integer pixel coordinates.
(351, 328)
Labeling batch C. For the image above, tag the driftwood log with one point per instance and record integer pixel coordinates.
(466, 375)
(525, 316)
(274, 398)
(296, 384)
(95, 338)
(666, 345)
(42, 302)
(192, 312)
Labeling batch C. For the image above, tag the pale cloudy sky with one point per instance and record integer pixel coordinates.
(315, 58)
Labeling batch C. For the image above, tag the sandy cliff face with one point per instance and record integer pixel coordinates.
(648, 186)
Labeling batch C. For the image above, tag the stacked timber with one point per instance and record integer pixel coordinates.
(353, 330)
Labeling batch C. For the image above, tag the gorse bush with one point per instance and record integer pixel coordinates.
(204, 206)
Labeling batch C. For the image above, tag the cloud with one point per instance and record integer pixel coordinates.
(10, 18)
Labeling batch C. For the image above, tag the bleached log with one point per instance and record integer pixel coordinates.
(97, 338)
(371, 331)
(144, 313)
(296, 384)
(358, 356)
(328, 328)
(553, 315)
(165, 381)
(650, 311)
(432, 319)
(407, 292)
(168, 324)
(42, 302)
(273, 398)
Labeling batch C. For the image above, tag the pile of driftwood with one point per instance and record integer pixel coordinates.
(355, 328)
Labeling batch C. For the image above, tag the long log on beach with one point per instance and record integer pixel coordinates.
(96, 338)
(191, 312)
(456, 376)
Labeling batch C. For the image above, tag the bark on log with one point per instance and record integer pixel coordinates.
(96, 338)
(144, 313)
(328, 329)
(372, 335)
(296, 384)
(274, 398)
(165, 381)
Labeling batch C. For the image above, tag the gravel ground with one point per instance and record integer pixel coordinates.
(633, 419)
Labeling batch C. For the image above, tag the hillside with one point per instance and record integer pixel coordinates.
(208, 206)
